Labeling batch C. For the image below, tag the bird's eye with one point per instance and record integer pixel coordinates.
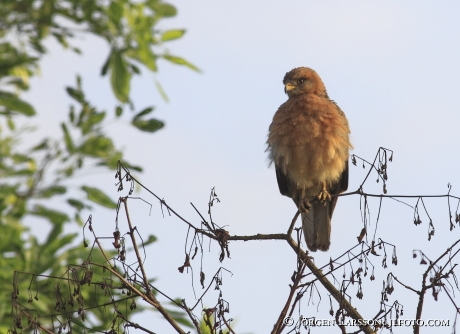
(300, 81)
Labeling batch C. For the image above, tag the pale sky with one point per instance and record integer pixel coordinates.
(392, 67)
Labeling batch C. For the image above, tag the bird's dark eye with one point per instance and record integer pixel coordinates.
(300, 81)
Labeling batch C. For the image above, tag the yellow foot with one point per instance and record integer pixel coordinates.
(324, 195)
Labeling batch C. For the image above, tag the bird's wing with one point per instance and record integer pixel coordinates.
(338, 187)
(283, 181)
(344, 179)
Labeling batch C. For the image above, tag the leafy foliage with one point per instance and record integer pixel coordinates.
(34, 182)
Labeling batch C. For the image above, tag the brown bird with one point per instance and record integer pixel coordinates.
(308, 141)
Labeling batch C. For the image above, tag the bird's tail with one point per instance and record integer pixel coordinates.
(316, 224)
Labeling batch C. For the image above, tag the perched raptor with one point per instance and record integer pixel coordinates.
(308, 141)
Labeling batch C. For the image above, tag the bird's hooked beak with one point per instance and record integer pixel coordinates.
(288, 87)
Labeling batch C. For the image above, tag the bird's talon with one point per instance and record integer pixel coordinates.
(324, 196)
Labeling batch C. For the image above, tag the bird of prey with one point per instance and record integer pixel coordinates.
(308, 141)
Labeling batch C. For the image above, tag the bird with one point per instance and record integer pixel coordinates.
(309, 143)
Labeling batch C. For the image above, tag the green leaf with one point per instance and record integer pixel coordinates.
(78, 219)
(135, 69)
(161, 91)
(13, 103)
(115, 11)
(10, 238)
(106, 65)
(132, 167)
(146, 56)
(169, 35)
(37, 46)
(97, 196)
(118, 111)
(150, 125)
(150, 240)
(20, 172)
(142, 113)
(54, 233)
(19, 208)
(120, 76)
(53, 247)
(97, 146)
(166, 10)
(181, 61)
(111, 161)
(19, 83)
(76, 94)
(20, 158)
(53, 190)
(182, 320)
(43, 145)
(10, 123)
(85, 121)
(67, 138)
(61, 39)
(79, 205)
(55, 217)
(72, 114)
(93, 119)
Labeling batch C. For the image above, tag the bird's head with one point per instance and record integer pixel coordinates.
(303, 80)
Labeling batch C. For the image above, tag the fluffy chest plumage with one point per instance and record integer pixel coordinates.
(309, 140)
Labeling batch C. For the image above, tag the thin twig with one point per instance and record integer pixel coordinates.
(280, 324)
(149, 295)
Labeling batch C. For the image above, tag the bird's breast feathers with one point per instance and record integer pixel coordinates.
(309, 140)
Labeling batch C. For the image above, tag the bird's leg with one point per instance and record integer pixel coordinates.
(324, 195)
(304, 203)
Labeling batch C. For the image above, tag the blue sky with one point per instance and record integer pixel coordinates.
(393, 69)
